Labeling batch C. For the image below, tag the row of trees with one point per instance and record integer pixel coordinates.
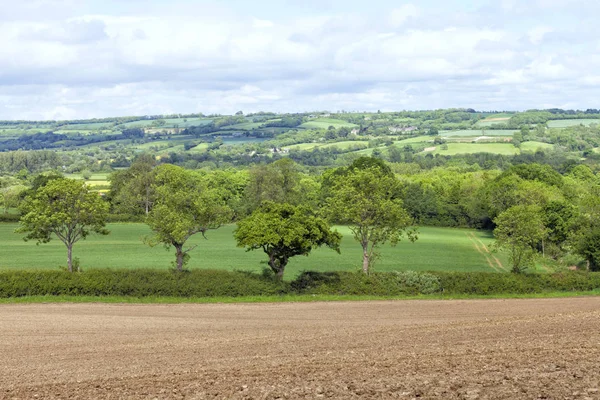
(284, 221)
(534, 209)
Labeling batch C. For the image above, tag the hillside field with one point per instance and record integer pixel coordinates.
(436, 249)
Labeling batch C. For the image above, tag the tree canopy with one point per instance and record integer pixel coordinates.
(64, 208)
(186, 204)
(283, 231)
(367, 199)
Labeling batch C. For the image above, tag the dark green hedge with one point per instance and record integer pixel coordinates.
(483, 283)
(209, 283)
(137, 283)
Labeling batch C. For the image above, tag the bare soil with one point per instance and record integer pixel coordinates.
(471, 349)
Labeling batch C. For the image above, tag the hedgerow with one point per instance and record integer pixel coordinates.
(213, 283)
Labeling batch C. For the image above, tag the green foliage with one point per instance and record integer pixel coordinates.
(64, 208)
(519, 230)
(185, 205)
(210, 283)
(137, 283)
(588, 246)
(357, 283)
(367, 199)
(283, 231)
(131, 190)
(483, 283)
(278, 182)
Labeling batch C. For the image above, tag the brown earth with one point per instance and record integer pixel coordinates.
(471, 349)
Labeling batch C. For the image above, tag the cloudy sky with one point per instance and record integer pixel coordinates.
(65, 59)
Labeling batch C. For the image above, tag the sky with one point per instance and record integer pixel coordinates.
(78, 59)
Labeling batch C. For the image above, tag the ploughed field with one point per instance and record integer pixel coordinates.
(467, 349)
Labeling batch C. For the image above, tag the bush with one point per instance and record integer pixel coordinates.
(9, 217)
(484, 283)
(137, 283)
(211, 283)
(357, 283)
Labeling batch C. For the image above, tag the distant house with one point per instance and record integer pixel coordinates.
(354, 131)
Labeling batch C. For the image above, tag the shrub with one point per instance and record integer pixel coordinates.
(137, 283)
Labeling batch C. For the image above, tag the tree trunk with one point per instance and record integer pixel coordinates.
(179, 254)
(365, 266)
(70, 257)
(277, 267)
(147, 200)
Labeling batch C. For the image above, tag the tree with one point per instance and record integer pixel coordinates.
(368, 200)
(283, 231)
(588, 246)
(278, 182)
(131, 190)
(185, 205)
(65, 208)
(11, 196)
(520, 229)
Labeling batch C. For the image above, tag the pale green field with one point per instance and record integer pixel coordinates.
(90, 126)
(303, 146)
(324, 123)
(199, 148)
(564, 123)
(418, 139)
(478, 132)
(467, 148)
(533, 146)
(245, 126)
(437, 249)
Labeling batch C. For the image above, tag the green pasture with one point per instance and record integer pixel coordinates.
(417, 139)
(303, 146)
(345, 145)
(565, 123)
(533, 146)
(468, 148)
(324, 123)
(246, 126)
(478, 132)
(171, 122)
(437, 249)
(84, 126)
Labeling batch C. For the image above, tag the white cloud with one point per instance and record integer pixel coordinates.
(180, 58)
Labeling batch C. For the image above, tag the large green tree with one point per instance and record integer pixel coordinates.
(185, 204)
(132, 190)
(366, 197)
(283, 231)
(65, 208)
(520, 230)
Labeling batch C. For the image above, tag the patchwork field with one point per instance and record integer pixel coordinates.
(564, 123)
(487, 349)
(437, 249)
(324, 123)
(478, 132)
(467, 148)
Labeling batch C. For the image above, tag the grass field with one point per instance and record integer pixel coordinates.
(417, 139)
(564, 123)
(437, 249)
(533, 146)
(477, 132)
(324, 123)
(92, 126)
(467, 148)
